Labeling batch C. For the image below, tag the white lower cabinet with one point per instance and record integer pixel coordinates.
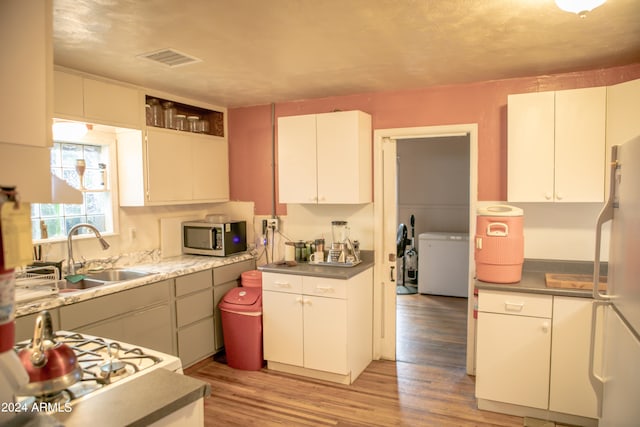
(532, 351)
(318, 327)
(513, 347)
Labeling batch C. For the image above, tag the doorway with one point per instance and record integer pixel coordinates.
(432, 201)
(386, 217)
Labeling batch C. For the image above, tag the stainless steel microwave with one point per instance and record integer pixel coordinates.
(207, 238)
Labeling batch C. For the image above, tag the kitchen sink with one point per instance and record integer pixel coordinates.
(85, 283)
(116, 275)
(105, 277)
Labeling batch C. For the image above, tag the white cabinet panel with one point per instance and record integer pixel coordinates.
(68, 95)
(282, 327)
(325, 343)
(623, 117)
(513, 359)
(112, 104)
(325, 158)
(580, 144)
(210, 168)
(297, 172)
(571, 391)
(169, 166)
(530, 136)
(26, 75)
(556, 146)
(344, 157)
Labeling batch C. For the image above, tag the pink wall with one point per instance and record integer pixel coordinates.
(483, 103)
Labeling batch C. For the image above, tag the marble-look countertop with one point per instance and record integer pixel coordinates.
(327, 271)
(161, 270)
(533, 280)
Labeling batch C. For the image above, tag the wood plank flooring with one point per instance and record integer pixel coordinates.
(427, 386)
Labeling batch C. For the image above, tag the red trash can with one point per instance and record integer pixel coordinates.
(241, 310)
(251, 279)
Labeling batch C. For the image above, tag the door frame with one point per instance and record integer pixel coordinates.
(384, 314)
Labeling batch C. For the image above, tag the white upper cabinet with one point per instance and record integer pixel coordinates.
(556, 146)
(325, 158)
(623, 116)
(81, 98)
(172, 167)
(26, 48)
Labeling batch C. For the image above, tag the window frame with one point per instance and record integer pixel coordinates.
(107, 138)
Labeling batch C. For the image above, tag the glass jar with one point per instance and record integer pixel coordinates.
(157, 115)
(203, 126)
(169, 115)
(181, 122)
(193, 123)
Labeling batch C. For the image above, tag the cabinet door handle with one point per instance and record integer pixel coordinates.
(299, 300)
(392, 278)
(283, 284)
(513, 306)
(545, 326)
(323, 289)
(306, 301)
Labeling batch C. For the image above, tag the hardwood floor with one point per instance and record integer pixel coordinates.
(427, 386)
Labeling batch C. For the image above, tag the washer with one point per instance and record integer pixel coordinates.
(443, 264)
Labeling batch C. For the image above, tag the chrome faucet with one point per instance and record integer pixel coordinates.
(71, 264)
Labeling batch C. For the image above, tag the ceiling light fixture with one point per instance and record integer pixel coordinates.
(579, 7)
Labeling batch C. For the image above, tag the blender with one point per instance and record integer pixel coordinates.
(341, 247)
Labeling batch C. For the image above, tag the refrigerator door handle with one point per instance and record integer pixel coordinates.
(606, 215)
(597, 381)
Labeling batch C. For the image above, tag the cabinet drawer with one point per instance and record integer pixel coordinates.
(193, 282)
(195, 342)
(282, 282)
(331, 288)
(194, 307)
(231, 272)
(515, 303)
(108, 306)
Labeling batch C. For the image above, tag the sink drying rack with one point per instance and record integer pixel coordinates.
(36, 282)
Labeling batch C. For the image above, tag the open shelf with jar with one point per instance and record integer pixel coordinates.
(165, 113)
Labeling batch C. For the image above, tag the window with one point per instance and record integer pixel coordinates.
(53, 221)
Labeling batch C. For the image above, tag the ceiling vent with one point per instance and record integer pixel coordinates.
(170, 57)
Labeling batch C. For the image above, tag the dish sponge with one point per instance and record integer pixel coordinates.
(75, 278)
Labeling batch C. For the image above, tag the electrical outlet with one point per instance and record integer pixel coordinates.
(272, 223)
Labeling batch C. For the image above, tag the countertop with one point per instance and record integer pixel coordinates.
(163, 269)
(137, 403)
(327, 271)
(533, 280)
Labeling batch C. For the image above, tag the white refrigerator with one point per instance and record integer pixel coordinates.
(618, 380)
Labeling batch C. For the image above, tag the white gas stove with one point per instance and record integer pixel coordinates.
(105, 364)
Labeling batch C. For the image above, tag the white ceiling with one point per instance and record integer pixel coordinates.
(262, 51)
